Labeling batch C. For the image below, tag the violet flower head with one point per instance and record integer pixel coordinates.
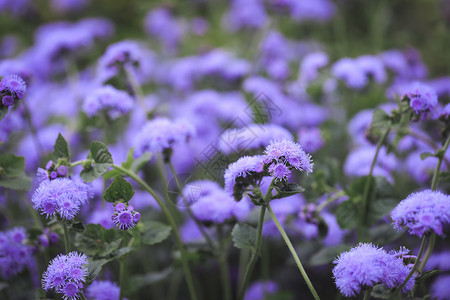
(115, 102)
(289, 154)
(350, 72)
(422, 97)
(66, 274)
(306, 10)
(15, 255)
(311, 139)
(161, 24)
(246, 14)
(62, 196)
(310, 65)
(103, 290)
(124, 216)
(260, 290)
(13, 86)
(243, 173)
(161, 134)
(440, 289)
(422, 212)
(367, 265)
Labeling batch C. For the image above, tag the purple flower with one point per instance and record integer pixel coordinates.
(422, 97)
(440, 289)
(367, 265)
(103, 290)
(61, 195)
(310, 139)
(243, 173)
(216, 207)
(162, 134)
(306, 10)
(66, 274)
(13, 86)
(289, 154)
(260, 290)
(124, 216)
(422, 212)
(15, 255)
(372, 66)
(102, 217)
(162, 25)
(311, 63)
(246, 14)
(115, 102)
(350, 71)
(252, 136)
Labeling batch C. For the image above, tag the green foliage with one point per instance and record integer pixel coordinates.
(97, 241)
(12, 174)
(135, 165)
(119, 190)
(61, 149)
(244, 236)
(155, 232)
(287, 189)
(102, 160)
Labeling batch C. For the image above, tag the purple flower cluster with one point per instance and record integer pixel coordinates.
(281, 156)
(103, 290)
(114, 102)
(124, 216)
(66, 274)
(63, 196)
(367, 265)
(440, 290)
(356, 72)
(15, 255)
(423, 212)
(162, 134)
(421, 97)
(261, 290)
(12, 88)
(52, 171)
(242, 173)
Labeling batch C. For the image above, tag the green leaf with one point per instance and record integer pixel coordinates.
(61, 149)
(427, 275)
(326, 255)
(76, 227)
(16, 183)
(94, 268)
(98, 241)
(12, 165)
(425, 155)
(155, 232)
(380, 119)
(119, 190)
(287, 189)
(244, 236)
(102, 162)
(347, 214)
(139, 281)
(132, 164)
(141, 161)
(3, 112)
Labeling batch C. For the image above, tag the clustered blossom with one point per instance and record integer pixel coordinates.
(124, 216)
(440, 289)
(421, 97)
(63, 196)
(282, 156)
(52, 171)
(422, 212)
(161, 134)
(115, 102)
(367, 265)
(15, 255)
(12, 88)
(261, 290)
(103, 290)
(242, 173)
(66, 274)
(48, 238)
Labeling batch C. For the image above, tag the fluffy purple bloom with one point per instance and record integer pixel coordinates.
(350, 71)
(102, 217)
(422, 212)
(440, 289)
(15, 255)
(12, 85)
(372, 66)
(260, 290)
(124, 216)
(162, 134)
(367, 265)
(103, 290)
(307, 10)
(66, 274)
(310, 65)
(311, 139)
(195, 190)
(242, 173)
(115, 102)
(63, 196)
(422, 97)
(252, 136)
(246, 14)
(288, 153)
(162, 25)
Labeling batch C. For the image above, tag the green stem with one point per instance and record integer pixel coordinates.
(330, 200)
(255, 253)
(437, 170)
(365, 204)
(172, 223)
(188, 208)
(293, 252)
(82, 296)
(223, 264)
(121, 276)
(79, 162)
(416, 264)
(367, 293)
(66, 237)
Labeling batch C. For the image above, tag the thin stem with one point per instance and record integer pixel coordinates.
(172, 223)
(223, 264)
(330, 200)
(79, 162)
(367, 293)
(293, 252)
(121, 276)
(365, 197)
(437, 170)
(255, 253)
(82, 296)
(66, 237)
(188, 208)
(416, 264)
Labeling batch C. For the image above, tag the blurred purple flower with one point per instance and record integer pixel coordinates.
(246, 14)
(103, 290)
(114, 102)
(15, 255)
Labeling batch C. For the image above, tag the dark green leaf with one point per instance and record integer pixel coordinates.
(11, 165)
(244, 236)
(155, 232)
(424, 155)
(427, 275)
(16, 183)
(287, 189)
(94, 268)
(76, 227)
(61, 149)
(119, 190)
(98, 241)
(380, 119)
(326, 255)
(347, 214)
(102, 162)
(139, 281)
